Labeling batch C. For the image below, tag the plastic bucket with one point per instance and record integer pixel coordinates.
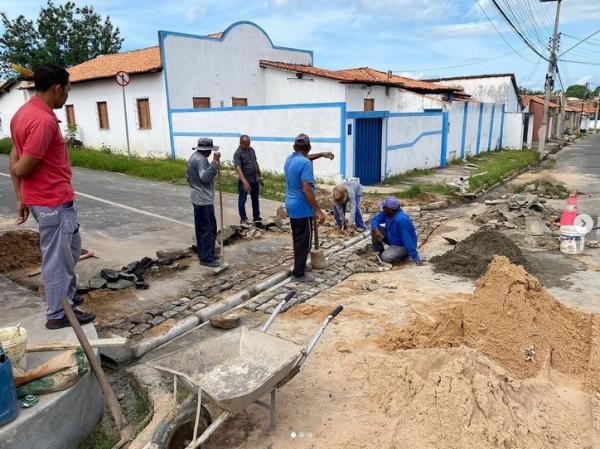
(8, 393)
(14, 342)
(572, 240)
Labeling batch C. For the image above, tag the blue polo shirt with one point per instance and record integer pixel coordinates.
(399, 231)
(297, 168)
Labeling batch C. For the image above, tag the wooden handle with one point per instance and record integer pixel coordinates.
(316, 226)
(221, 213)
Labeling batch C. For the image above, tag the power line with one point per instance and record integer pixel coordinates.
(579, 43)
(501, 35)
(513, 26)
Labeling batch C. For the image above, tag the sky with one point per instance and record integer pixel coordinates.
(414, 38)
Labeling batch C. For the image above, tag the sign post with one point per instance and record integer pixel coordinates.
(123, 79)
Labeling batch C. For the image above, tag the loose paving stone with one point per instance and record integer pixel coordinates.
(263, 307)
(170, 313)
(156, 320)
(198, 306)
(122, 333)
(119, 285)
(180, 309)
(140, 318)
(140, 328)
(110, 275)
(97, 283)
(228, 321)
(155, 311)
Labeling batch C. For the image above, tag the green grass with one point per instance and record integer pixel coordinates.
(159, 169)
(404, 177)
(496, 165)
(5, 146)
(420, 190)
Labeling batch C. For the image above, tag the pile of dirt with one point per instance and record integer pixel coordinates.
(458, 398)
(515, 322)
(19, 249)
(471, 257)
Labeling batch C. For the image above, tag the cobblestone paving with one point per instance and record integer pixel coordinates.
(208, 292)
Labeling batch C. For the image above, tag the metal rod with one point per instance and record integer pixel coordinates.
(277, 310)
(209, 431)
(125, 429)
(126, 124)
(273, 408)
(198, 406)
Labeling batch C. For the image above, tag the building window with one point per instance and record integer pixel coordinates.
(143, 110)
(239, 101)
(70, 111)
(102, 114)
(201, 102)
(369, 104)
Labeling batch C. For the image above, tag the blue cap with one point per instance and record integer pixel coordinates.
(391, 202)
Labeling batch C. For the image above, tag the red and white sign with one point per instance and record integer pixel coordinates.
(123, 78)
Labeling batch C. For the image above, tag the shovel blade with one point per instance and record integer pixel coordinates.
(317, 259)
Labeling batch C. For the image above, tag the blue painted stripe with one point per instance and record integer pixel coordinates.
(502, 128)
(382, 114)
(491, 127)
(166, 77)
(385, 143)
(479, 128)
(444, 146)
(261, 107)
(411, 144)
(254, 138)
(342, 140)
(354, 148)
(464, 131)
(226, 32)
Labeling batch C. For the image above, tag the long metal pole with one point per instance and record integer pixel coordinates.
(126, 124)
(597, 112)
(543, 133)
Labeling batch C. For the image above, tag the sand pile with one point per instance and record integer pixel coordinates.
(19, 249)
(457, 398)
(472, 256)
(514, 321)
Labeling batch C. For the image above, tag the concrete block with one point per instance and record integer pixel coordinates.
(140, 329)
(169, 313)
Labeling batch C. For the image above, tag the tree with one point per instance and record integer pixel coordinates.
(596, 92)
(526, 91)
(62, 34)
(577, 90)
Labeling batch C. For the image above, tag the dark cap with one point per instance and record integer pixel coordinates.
(302, 140)
(205, 144)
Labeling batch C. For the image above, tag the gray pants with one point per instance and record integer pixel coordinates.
(60, 242)
(391, 254)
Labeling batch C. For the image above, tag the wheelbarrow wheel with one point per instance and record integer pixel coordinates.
(179, 432)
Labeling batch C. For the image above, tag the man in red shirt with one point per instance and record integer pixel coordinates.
(41, 175)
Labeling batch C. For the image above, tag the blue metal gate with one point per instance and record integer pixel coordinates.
(367, 150)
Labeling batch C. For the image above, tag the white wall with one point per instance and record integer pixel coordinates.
(221, 69)
(10, 102)
(395, 100)
(456, 117)
(513, 131)
(272, 132)
(282, 87)
(488, 90)
(407, 145)
(85, 95)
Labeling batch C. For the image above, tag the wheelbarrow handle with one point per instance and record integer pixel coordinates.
(335, 312)
(275, 312)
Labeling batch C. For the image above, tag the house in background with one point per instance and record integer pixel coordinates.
(586, 111)
(534, 104)
(238, 82)
(13, 94)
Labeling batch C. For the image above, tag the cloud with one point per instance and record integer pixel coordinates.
(411, 10)
(584, 80)
(465, 29)
(194, 12)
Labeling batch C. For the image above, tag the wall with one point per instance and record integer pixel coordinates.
(271, 128)
(282, 87)
(513, 131)
(200, 66)
(489, 90)
(10, 102)
(394, 100)
(85, 95)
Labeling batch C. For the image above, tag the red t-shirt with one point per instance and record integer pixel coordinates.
(35, 133)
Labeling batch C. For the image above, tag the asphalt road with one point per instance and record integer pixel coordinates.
(125, 218)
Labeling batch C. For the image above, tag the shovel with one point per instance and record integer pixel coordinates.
(224, 265)
(317, 256)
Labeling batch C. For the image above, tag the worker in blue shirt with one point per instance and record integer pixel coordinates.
(300, 201)
(399, 233)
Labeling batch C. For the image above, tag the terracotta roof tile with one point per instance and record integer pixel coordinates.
(362, 75)
(145, 60)
(216, 35)
(526, 99)
(588, 106)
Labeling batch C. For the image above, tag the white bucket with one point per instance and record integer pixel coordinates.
(14, 342)
(572, 240)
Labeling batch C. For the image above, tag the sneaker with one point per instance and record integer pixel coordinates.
(77, 301)
(82, 317)
(258, 223)
(245, 224)
(361, 230)
(213, 263)
(304, 278)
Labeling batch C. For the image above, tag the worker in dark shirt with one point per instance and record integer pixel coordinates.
(250, 180)
(399, 233)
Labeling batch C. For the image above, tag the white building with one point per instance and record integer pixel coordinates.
(12, 96)
(238, 82)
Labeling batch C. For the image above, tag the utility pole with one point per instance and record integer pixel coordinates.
(543, 133)
(597, 112)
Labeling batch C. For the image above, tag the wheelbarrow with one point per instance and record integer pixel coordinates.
(231, 371)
